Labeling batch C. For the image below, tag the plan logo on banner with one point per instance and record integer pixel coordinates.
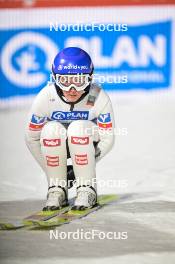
(25, 59)
(143, 54)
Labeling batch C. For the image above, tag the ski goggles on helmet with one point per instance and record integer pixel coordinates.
(77, 81)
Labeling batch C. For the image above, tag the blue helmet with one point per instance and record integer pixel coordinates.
(72, 60)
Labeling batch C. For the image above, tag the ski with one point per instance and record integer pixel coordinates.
(72, 215)
(31, 219)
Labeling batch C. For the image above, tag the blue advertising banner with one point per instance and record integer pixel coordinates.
(137, 58)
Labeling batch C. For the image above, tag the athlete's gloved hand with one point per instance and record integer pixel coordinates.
(97, 153)
(70, 176)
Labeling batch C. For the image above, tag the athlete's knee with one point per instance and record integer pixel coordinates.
(53, 130)
(80, 128)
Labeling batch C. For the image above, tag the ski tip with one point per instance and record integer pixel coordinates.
(107, 198)
(11, 226)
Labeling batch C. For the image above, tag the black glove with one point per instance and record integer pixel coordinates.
(97, 152)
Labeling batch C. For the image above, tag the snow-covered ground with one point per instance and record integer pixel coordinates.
(142, 168)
